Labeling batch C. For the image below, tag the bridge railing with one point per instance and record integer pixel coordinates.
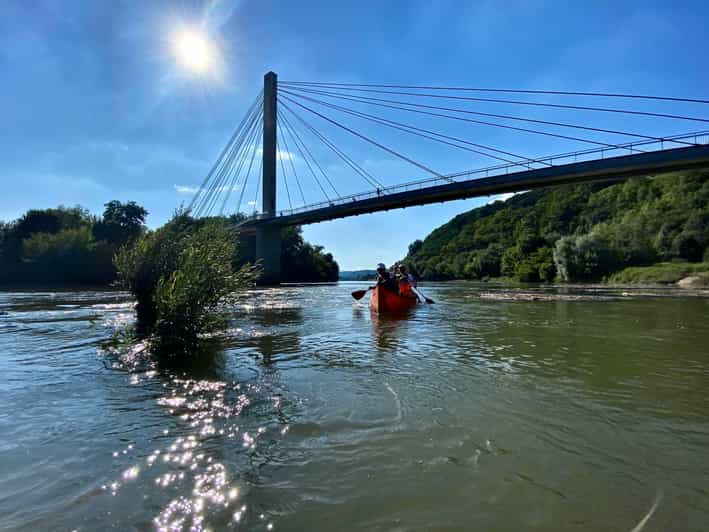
(696, 138)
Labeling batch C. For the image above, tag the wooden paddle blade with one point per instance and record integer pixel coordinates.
(358, 294)
(429, 300)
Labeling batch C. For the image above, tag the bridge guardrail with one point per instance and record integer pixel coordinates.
(695, 138)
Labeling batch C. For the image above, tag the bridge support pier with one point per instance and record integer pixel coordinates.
(268, 251)
(268, 237)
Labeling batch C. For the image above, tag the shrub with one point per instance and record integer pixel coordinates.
(183, 281)
(153, 255)
(584, 258)
(193, 300)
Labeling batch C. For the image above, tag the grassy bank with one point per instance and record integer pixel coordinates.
(662, 273)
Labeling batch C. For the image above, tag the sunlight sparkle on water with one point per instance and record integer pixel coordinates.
(208, 410)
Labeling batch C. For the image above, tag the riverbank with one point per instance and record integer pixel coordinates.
(682, 274)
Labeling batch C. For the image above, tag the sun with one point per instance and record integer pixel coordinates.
(194, 51)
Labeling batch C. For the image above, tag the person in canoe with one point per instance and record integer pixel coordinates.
(405, 280)
(406, 275)
(408, 285)
(384, 278)
(402, 284)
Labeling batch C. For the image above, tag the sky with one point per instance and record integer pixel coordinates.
(97, 104)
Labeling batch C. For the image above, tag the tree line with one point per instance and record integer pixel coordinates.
(573, 232)
(69, 245)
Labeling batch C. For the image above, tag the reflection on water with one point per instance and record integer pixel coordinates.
(385, 328)
(573, 413)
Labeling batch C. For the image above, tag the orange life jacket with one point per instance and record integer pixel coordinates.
(405, 288)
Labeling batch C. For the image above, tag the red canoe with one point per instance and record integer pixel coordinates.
(384, 300)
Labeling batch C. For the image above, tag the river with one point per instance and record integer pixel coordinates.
(580, 409)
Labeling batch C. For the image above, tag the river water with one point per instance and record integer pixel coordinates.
(581, 409)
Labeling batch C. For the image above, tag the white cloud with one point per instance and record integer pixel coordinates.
(185, 189)
(284, 155)
(280, 154)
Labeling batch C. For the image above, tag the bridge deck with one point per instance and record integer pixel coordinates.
(622, 167)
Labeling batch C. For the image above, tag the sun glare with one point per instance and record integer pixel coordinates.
(194, 51)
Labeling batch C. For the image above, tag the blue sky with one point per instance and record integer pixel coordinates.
(95, 106)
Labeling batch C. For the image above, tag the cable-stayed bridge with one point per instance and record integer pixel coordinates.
(278, 149)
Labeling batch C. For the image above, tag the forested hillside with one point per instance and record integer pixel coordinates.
(573, 232)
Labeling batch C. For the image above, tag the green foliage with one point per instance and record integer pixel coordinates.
(71, 255)
(51, 221)
(60, 246)
(68, 245)
(485, 263)
(415, 246)
(193, 300)
(584, 258)
(121, 223)
(573, 232)
(65, 245)
(182, 277)
(301, 262)
(153, 256)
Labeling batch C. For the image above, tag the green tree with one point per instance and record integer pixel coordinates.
(121, 222)
(584, 258)
(415, 246)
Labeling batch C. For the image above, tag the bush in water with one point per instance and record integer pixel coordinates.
(153, 255)
(183, 281)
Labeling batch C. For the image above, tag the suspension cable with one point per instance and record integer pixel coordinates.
(367, 100)
(208, 196)
(258, 185)
(248, 172)
(408, 128)
(371, 141)
(228, 167)
(279, 156)
(534, 104)
(369, 178)
(298, 140)
(227, 147)
(292, 164)
(245, 155)
(312, 157)
(516, 91)
(493, 124)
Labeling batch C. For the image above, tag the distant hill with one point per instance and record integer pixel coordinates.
(358, 275)
(573, 232)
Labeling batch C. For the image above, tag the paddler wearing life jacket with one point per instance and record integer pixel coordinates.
(384, 278)
(405, 281)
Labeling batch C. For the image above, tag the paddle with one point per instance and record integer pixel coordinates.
(421, 296)
(359, 294)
